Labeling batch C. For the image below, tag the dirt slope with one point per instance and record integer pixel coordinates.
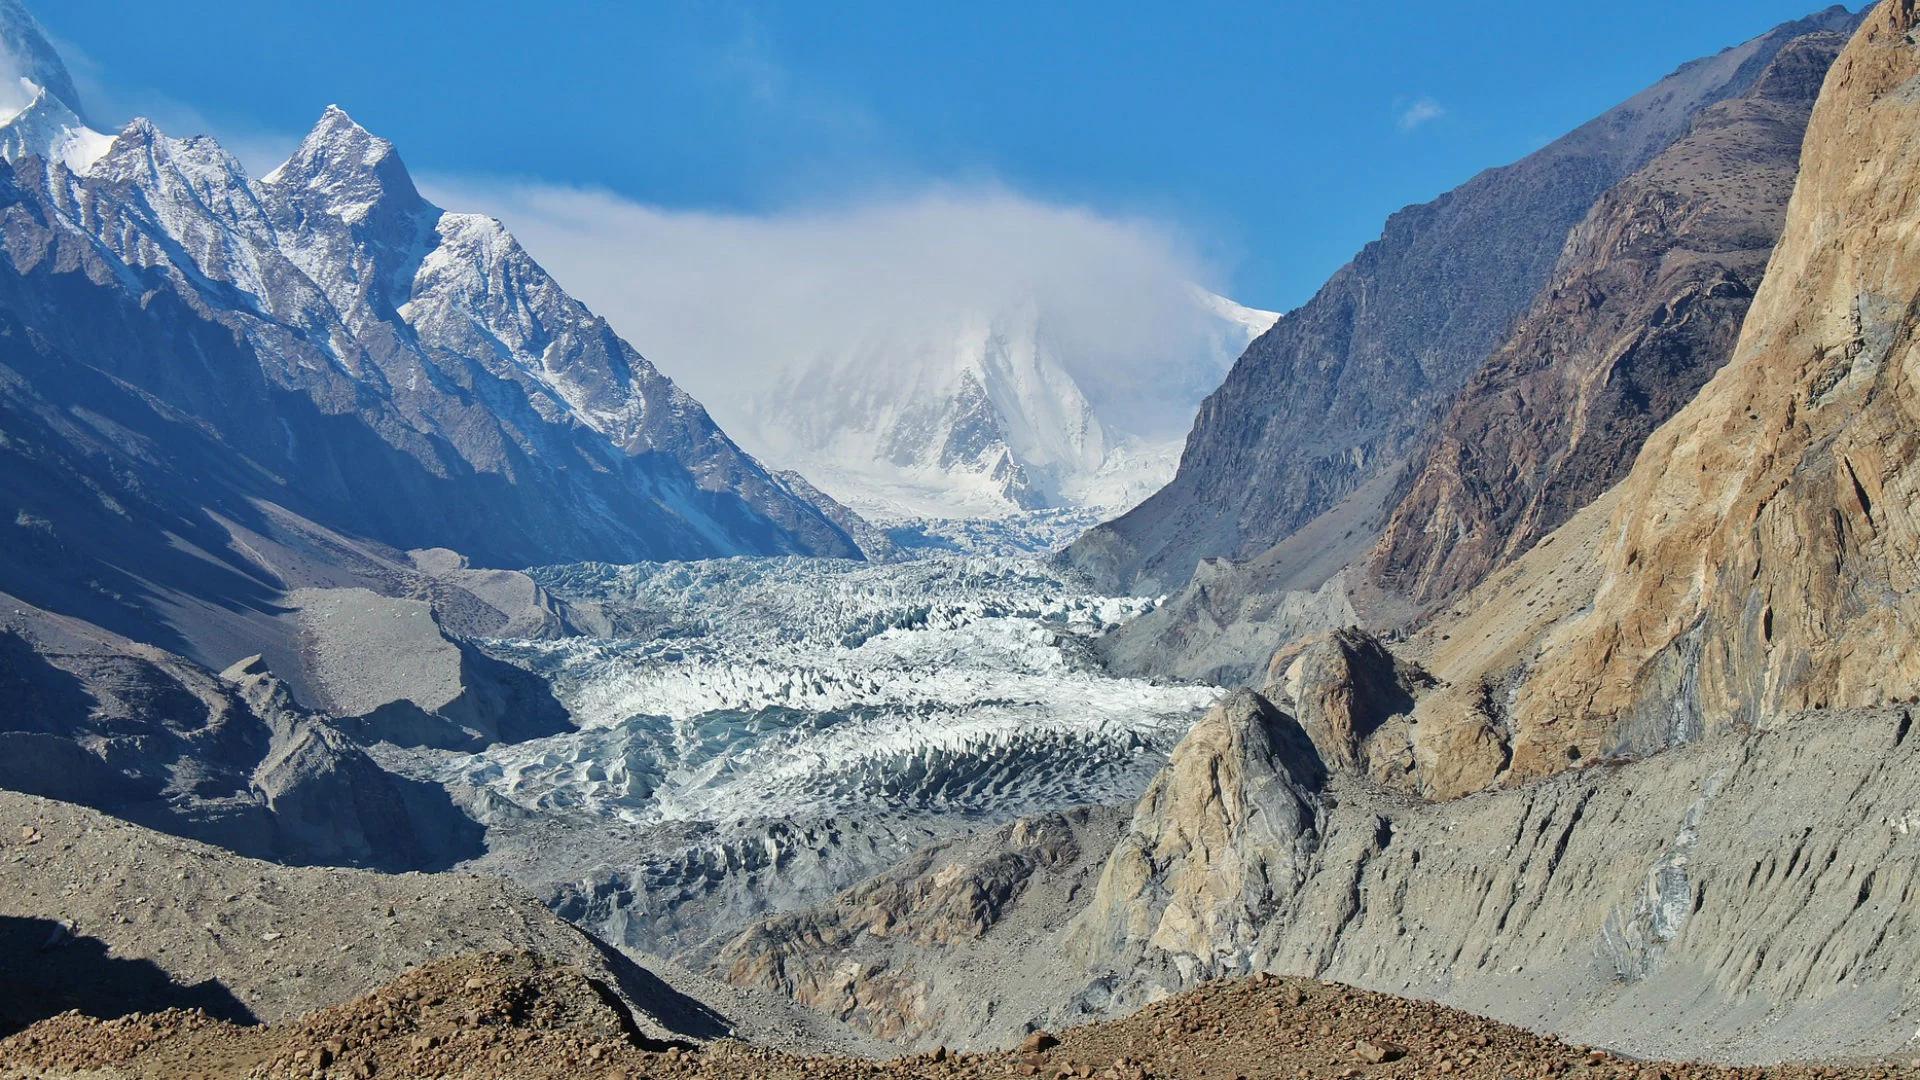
(104, 916)
(516, 1016)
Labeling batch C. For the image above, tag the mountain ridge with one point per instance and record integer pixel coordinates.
(1343, 391)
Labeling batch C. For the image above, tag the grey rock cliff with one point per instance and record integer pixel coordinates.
(1345, 389)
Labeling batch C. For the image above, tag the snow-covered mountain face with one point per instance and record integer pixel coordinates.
(30, 65)
(989, 413)
(380, 365)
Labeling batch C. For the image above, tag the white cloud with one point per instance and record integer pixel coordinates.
(1418, 113)
(723, 302)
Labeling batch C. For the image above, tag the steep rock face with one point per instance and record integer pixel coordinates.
(381, 335)
(1761, 556)
(218, 391)
(1226, 831)
(1745, 898)
(1351, 695)
(1645, 306)
(1345, 389)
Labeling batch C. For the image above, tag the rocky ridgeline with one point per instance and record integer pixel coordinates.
(1345, 391)
(1644, 303)
(1744, 898)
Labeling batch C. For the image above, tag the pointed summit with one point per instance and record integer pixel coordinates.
(29, 64)
(47, 129)
(350, 169)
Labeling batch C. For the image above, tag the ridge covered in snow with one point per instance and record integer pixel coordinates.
(463, 366)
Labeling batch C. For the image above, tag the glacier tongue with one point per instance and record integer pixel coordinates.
(762, 690)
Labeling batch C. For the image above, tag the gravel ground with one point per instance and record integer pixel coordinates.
(516, 1015)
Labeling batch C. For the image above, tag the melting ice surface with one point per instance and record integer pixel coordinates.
(743, 690)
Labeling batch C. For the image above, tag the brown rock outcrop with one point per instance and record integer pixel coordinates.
(1764, 555)
(1645, 306)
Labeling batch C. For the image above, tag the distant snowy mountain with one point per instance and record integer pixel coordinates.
(988, 413)
(359, 331)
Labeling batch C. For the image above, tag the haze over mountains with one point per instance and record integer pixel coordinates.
(1527, 626)
(958, 353)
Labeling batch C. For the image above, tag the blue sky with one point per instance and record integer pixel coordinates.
(1272, 138)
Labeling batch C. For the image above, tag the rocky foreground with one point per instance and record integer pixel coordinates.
(518, 1015)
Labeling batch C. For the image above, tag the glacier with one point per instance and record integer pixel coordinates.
(756, 733)
(776, 687)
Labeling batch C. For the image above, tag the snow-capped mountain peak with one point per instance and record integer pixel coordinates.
(991, 412)
(1254, 321)
(346, 171)
(48, 128)
(384, 336)
(40, 113)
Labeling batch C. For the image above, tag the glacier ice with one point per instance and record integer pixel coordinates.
(753, 689)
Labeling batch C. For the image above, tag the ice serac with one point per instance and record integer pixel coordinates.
(1761, 555)
(1344, 391)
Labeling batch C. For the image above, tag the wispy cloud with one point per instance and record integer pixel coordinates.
(1415, 114)
(749, 66)
(726, 302)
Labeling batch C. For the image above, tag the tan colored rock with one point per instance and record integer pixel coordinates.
(1763, 555)
(1226, 827)
(1355, 698)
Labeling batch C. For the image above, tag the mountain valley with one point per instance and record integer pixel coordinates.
(1512, 673)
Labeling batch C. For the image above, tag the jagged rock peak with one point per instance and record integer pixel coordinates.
(1222, 835)
(350, 168)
